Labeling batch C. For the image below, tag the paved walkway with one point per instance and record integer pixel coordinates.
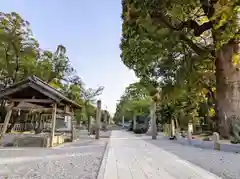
(130, 157)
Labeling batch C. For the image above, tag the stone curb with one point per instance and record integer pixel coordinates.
(232, 148)
(101, 170)
(64, 144)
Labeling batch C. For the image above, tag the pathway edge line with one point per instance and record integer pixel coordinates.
(102, 168)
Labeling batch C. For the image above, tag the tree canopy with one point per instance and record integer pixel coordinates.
(21, 56)
(134, 101)
(188, 48)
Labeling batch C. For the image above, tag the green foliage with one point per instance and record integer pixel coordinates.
(135, 100)
(172, 45)
(18, 49)
(21, 56)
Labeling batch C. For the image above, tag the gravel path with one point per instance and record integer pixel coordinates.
(224, 164)
(81, 160)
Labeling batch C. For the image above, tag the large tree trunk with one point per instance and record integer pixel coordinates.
(228, 87)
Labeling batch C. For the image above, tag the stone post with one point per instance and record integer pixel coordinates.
(98, 118)
(189, 133)
(123, 122)
(153, 120)
(134, 121)
(216, 143)
(190, 127)
(172, 128)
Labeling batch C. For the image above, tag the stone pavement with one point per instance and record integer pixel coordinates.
(130, 157)
(78, 160)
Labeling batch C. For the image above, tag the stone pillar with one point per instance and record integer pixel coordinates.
(134, 121)
(98, 119)
(190, 127)
(153, 116)
(216, 143)
(123, 122)
(172, 128)
(189, 133)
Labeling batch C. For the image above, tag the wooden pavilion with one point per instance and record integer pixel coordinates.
(35, 95)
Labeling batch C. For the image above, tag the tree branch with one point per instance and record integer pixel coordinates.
(192, 45)
(198, 29)
(159, 18)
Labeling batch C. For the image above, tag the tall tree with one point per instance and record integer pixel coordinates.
(18, 48)
(158, 34)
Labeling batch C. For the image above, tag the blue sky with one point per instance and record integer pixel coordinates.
(91, 32)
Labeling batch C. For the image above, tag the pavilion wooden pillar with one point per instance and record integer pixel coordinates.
(54, 114)
(73, 130)
(6, 121)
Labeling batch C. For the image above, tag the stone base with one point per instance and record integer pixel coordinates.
(31, 141)
(37, 141)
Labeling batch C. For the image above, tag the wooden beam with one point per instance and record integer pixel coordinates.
(47, 101)
(65, 112)
(33, 109)
(54, 113)
(43, 110)
(68, 113)
(6, 121)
